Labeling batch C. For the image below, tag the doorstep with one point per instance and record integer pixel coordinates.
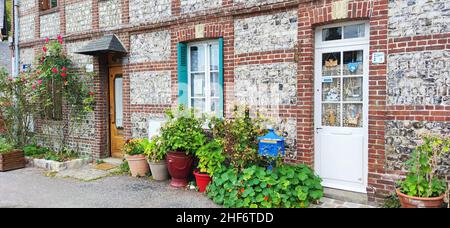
(347, 196)
(334, 203)
(55, 166)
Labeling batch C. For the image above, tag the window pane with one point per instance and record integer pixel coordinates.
(198, 85)
(214, 58)
(353, 90)
(215, 87)
(353, 63)
(354, 31)
(331, 115)
(329, 34)
(331, 64)
(353, 116)
(198, 104)
(215, 106)
(197, 58)
(331, 90)
(118, 100)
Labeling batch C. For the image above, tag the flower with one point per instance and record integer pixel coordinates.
(63, 74)
(47, 40)
(64, 69)
(242, 190)
(10, 79)
(44, 48)
(60, 39)
(266, 198)
(39, 81)
(54, 70)
(42, 58)
(91, 93)
(33, 86)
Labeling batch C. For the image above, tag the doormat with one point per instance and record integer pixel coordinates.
(105, 166)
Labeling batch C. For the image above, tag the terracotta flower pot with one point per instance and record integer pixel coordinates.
(419, 202)
(138, 165)
(159, 170)
(179, 165)
(203, 180)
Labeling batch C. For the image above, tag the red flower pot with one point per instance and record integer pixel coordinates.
(203, 180)
(419, 202)
(179, 165)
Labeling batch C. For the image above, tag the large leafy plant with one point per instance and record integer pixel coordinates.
(211, 157)
(423, 179)
(256, 187)
(183, 132)
(153, 150)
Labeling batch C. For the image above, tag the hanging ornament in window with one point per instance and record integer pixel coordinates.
(331, 63)
(353, 67)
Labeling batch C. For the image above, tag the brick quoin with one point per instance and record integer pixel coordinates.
(220, 23)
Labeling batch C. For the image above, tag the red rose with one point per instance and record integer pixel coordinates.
(64, 69)
(63, 75)
(91, 93)
(54, 70)
(33, 86)
(44, 49)
(39, 81)
(47, 40)
(60, 39)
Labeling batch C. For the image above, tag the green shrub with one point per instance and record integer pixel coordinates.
(256, 187)
(134, 147)
(210, 157)
(41, 152)
(153, 150)
(5, 147)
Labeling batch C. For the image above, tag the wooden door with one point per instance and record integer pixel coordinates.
(116, 111)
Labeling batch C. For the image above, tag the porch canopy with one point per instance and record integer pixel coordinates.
(106, 44)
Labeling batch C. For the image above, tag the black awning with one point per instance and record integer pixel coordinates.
(106, 44)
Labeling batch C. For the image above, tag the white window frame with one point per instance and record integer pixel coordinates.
(207, 72)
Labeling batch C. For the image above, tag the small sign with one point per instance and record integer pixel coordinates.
(26, 67)
(378, 58)
(327, 80)
(89, 68)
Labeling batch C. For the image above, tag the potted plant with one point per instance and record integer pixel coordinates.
(10, 158)
(181, 136)
(156, 159)
(137, 161)
(423, 187)
(210, 162)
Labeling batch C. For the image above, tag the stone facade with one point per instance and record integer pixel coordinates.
(26, 5)
(192, 6)
(418, 17)
(150, 88)
(79, 17)
(267, 85)
(5, 58)
(27, 28)
(27, 56)
(78, 60)
(403, 136)
(52, 25)
(256, 2)
(149, 10)
(154, 46)
(110, 13)
(266, 33)
(140, 123)
(419, 78)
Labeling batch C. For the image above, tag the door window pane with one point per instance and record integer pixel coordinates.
(331, 64)
(215, 86)
(331, 115)
(197, 58)
(353, 89)
(198, 104)
(329, 34)
(331, 89)
(353, 115)
(198, 85)
(353, 63)
(214, 57)
(118, 100)
(354, 31)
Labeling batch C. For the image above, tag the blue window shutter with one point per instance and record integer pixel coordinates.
(221, 99)
(182, 75)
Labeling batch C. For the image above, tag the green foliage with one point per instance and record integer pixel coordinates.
(183, 131)
(256, 187)
(8, 17)
(422, 179)
(5, 147)
(239, 137)
(134, 146)
(153, 150)
(40, 152)
(211, 157)
(392, 202)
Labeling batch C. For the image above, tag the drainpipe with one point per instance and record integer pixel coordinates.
(16, 39)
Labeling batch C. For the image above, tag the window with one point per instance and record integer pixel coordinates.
(344, 32)
(201, 76)
(118, 100)
(48, 4)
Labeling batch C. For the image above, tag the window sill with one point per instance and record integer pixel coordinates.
(49, 11)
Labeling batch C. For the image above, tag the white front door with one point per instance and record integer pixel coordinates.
(341, 105)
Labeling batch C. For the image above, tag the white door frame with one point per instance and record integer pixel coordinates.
(331, 46)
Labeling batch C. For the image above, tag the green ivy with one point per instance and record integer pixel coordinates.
(256, 187)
